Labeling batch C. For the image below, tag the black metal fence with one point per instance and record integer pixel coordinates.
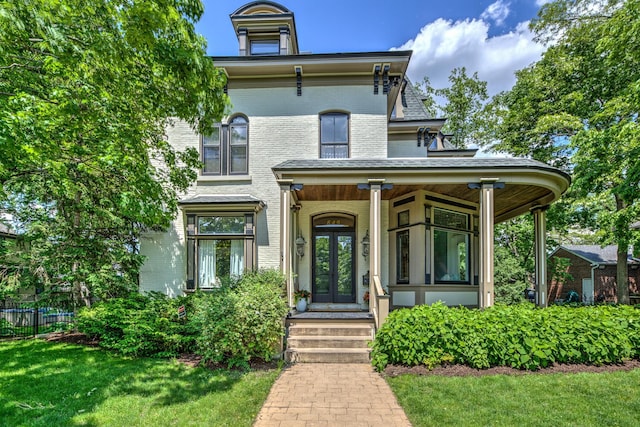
(19, 319)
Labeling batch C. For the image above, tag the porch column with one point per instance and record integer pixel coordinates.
(486, 293)
(375, 226)
(540, 243)
(285, 236)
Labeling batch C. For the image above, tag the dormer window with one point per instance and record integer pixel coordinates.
(265, 28)
(265, 47)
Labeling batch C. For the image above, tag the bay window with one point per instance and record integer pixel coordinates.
(220, 248)
(451, 240)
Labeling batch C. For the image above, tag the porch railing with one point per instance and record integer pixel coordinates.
(379, 302)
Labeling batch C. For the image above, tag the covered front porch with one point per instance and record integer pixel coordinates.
(405, 232)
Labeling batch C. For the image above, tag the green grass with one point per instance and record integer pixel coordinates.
(46, 384)
(603, 399)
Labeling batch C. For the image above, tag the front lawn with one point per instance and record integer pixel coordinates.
(585, 399)
(47, 384)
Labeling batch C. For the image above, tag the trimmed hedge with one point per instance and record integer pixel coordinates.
(519, 336)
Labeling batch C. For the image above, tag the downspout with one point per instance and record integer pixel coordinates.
(593, 280)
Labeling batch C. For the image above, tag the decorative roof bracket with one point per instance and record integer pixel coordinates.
(376, 78)
(299, 79)
(385, 78)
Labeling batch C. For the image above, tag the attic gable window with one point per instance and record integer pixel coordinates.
(265, 47)
(334, 136)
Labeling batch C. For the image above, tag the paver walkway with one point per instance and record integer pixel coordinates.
(331, 394)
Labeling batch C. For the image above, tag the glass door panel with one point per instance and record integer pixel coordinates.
(321, 272)
(345, 265)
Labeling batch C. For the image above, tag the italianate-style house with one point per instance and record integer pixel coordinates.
(329, 168)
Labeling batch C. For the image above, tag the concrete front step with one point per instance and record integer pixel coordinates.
(331, 329)
(328, 341)
(327, 355)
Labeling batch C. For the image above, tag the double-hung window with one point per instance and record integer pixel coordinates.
(219, 248)
(451, 239)
(225, 150)
(334, 136)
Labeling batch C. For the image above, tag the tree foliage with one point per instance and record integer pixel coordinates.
(428, 96)
(578, 108)
(465, 99)
(462, 103)
(87, 89)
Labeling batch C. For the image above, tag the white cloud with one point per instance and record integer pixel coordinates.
(541, 2)
(497, 12)
(444, 45)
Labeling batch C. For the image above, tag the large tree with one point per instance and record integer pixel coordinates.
(463, 107)
(578, 106)
(87, 89)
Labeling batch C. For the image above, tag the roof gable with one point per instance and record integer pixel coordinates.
(596, 254)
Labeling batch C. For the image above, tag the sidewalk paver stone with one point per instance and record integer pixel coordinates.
(331, 394)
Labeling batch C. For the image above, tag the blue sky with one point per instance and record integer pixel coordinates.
(487, 36)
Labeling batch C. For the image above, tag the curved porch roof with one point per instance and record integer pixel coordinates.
(527, 183)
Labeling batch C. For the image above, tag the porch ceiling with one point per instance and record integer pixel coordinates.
(510, 201)
(527, 183)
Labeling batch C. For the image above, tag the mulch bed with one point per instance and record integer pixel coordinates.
(72, 338)
(466, 371)
(194, 360)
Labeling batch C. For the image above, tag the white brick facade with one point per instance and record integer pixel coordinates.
(282, 126)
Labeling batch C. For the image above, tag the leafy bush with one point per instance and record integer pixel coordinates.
(141, 325)
(242, 322)
(520, 336)
(6, 328)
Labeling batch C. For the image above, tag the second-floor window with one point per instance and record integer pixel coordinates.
(334, 136)
(225, 151)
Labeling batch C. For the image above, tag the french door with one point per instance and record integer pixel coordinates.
(333, 266)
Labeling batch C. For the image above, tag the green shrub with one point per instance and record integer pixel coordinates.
(520, 336)
(141, 325)
(6, 328)
(242, 322)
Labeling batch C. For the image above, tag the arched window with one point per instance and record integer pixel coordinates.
(238, 139)
(225, 150)
(334, 136)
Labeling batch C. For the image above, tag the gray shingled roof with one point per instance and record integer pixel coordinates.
(221, 199)
(414, 109)
(423, 163)
(597, 254)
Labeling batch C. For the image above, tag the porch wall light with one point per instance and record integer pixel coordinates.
(365, 245)
(300, 242)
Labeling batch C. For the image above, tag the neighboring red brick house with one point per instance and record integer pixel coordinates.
(593, 273)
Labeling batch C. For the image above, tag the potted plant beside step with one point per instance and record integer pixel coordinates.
(301, 297)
